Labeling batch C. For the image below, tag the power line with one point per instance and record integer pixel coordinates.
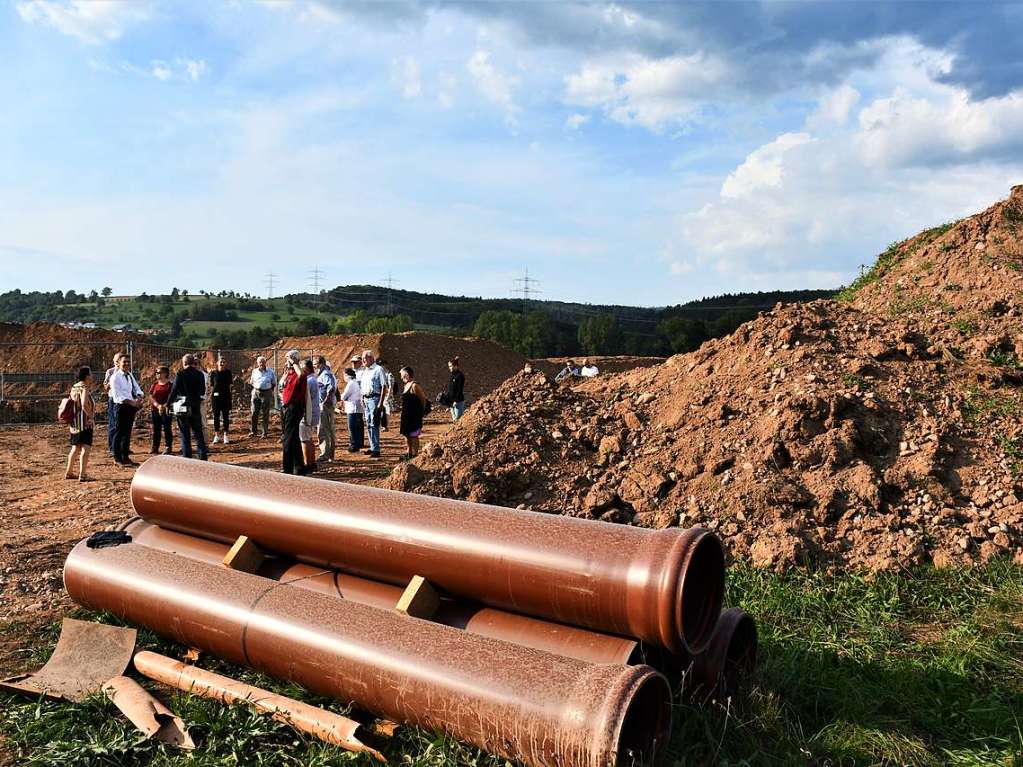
(524, 287)
(270, 282)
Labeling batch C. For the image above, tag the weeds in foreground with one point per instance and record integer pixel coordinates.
(980, 407)
(893, 255)
(923, 669)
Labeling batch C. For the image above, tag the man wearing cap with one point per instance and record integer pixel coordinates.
(294, 391)
(373, 384)
(328, 399)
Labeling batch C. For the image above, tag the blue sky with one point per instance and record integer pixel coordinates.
(638, 153)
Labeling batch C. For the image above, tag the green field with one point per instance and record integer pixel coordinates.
(914, 669)
(161, 316)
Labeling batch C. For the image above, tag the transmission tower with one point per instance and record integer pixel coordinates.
(314, 280)
(524, 286)
(270, 282)
(390, 282)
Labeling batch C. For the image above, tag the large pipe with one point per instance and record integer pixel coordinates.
(661, 586)
(536, 707)
(730, 657)
(574, 642)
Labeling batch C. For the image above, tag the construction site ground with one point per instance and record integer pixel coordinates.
(920, 667)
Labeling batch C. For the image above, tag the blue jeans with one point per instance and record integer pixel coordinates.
(187, 425)
(457, 410)
(372, 422)
(355, 431)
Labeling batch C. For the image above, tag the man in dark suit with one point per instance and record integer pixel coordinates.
(186, 400)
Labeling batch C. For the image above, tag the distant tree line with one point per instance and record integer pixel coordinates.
(540, 329)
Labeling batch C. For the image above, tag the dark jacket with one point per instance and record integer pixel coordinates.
(456, 387)
(190, 384)
(220, 383)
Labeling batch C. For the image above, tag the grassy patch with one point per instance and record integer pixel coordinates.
(981, 407)
(922, 669)
(895, 254)
(1012, 448)
(964, 326)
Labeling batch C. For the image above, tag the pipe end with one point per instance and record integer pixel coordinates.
(701, 590)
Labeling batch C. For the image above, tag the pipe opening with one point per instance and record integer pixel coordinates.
(701, 593)
(646, 725)
(741, 657)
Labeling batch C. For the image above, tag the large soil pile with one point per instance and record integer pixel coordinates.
(818, 433)
(44, 346)
(962, 283)
(485, 364)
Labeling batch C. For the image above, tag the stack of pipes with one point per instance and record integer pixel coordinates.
(550, 643)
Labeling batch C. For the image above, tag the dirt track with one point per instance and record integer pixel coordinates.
(43, 515)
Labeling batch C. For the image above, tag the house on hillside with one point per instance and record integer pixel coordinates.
(121, 328)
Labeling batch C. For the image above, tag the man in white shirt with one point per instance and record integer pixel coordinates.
(373, 384)
(588, 370)
(126, 398)
(263, 381)
(111, 411)
(351, 398)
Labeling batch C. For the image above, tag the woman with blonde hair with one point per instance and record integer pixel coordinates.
(82, 425)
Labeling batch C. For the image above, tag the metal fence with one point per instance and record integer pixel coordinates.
(35, 376)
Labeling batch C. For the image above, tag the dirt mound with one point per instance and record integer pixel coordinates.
(44, 346)
(817, 433)
(961, 283)
(485, 364)
(605, 364)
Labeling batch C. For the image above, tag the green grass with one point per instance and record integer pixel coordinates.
(893, 255)
(922, 668)
(980, 407)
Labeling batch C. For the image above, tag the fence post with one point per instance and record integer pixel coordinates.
(131, 354)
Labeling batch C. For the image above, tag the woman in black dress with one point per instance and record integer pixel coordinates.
(413, 408)
(82, 426)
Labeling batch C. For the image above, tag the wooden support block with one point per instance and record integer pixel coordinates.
(419, 600)
(244, 555)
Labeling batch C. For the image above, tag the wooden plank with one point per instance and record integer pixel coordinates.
(244, 555)
(419, 600)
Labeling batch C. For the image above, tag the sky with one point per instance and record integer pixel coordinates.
(636, 153)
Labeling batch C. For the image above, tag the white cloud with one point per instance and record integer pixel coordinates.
(91, 21)
(495, 86)
(576, 121)
(834, 107)
(407, 75)
(178, 69)
(654, 93)
(161, 70)
(906, 129)
(805, 208)
(763, 168)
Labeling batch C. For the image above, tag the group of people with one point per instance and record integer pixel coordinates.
(571, 370)
(307, 394)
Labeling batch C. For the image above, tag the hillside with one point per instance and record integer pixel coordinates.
(825, 433)
(547, 328)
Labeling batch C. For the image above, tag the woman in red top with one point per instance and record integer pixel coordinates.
(294, 390)
(159, 398)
